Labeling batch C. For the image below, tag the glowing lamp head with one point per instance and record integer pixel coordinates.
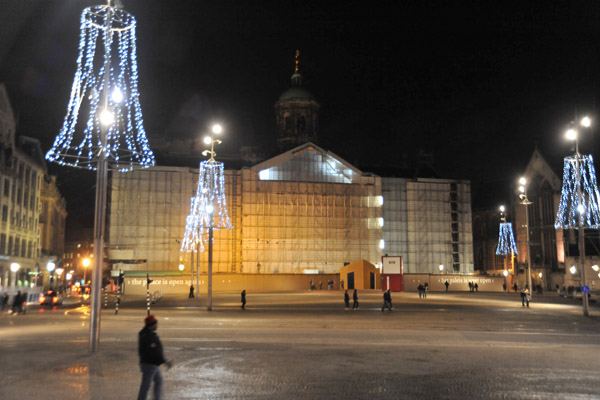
(207, 140)
(14, 267)
(571, 134)
(595, 267)
(86, 262)
(217, 128)
(181, 267)
(573, 270)
(522, 181)
(107, 117)
(382, 244)
(117, 95)
(50, 266)
(502, 209)
(586, 122)
(505, 273)
(441, 267)
(522, 189)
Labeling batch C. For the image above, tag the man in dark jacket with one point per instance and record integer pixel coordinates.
(387, 300)
(244, 299)
(151, 357)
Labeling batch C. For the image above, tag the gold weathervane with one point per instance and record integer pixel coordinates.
(297, 60)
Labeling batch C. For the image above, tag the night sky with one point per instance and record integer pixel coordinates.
(477, 85)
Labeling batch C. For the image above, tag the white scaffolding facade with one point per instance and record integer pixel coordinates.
(309, 211)
(428, 223)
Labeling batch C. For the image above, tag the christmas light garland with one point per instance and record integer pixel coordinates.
(209, 193)
(506, 240)
(115, 94)
(585, 181)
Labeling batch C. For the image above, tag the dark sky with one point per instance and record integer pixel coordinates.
(478, 84)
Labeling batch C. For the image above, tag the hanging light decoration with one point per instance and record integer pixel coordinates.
(570, 206)
(208, 208)
(506, 240)
(102, 100)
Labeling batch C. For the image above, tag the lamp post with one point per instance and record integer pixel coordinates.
(216, 129)
(505, 272)
(525, 201)
(441, 268)
(14, 267)
(572, 134)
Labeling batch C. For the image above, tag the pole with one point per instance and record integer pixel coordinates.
(192, 269)
(210, 248)
(100, 210)
(584, 297)
(528, 251)
(148, 294)
(197, 271)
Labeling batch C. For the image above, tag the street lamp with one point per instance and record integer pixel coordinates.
(50, 267)
(181, 267)
(441, 268)
(525, 201)
(14, 267)
(86, 263)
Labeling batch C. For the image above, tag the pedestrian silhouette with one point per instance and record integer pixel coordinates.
(151, 357)
(191, 296)
(244, 299)
(447, 284)
(355, 300)
(387, 300)
(346, 300)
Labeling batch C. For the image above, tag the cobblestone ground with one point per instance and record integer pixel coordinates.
(305, 345)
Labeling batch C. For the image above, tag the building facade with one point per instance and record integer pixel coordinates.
(22, 169)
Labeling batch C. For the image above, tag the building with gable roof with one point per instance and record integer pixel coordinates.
(306, 210)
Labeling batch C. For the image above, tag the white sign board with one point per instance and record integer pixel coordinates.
(392, 265)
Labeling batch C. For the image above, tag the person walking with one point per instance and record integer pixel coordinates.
(151, 357)
(525, 296)
(191, 296)
(355, 300)
(387, 300)
(16, 305)
(346, 300)
(420, 289)
(244, 299)
(446, 284)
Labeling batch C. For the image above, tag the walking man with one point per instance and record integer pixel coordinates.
(355, 300)
(151, 357)
(387, 300)
(191, 296)
(347, 300)
(447, 284)
(525, 296)
(244, 299)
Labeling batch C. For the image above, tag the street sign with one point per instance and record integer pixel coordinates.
(585, 289)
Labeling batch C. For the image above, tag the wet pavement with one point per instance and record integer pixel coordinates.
(305, 345)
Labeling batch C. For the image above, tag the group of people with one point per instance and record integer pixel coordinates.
(387, 300)
(19, 304)
(354, 298)
(473, 287)
(423, 288)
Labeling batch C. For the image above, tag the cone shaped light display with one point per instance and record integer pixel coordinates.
(506, 240)
(574, 181)
(107, 43)
(208, 208)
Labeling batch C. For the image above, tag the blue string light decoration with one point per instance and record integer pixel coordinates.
(209, 193)
(107, 43)
(585, 180)
(506, 240)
